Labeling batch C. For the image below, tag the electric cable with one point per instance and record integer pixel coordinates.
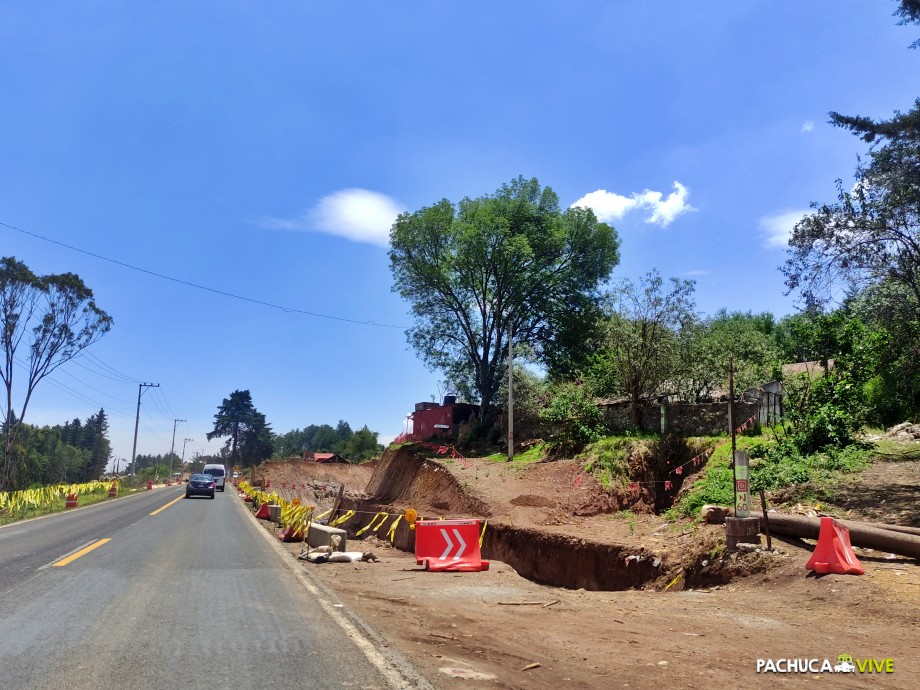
(187, 283)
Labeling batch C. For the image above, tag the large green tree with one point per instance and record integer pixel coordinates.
(46, 321)
(871, 234)
(706, 345)
(508, 262)
(249, 438)
(639, 348)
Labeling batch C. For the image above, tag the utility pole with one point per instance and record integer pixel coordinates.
(137, 419)
(183, 448)
(731, 422)
(172, 446)
(510, 398)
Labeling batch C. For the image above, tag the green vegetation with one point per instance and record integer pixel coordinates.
(608, 460)
(774, 466)
(52, 318)
(356, 446)
(512, 261)
(531, 455)
(575, 418)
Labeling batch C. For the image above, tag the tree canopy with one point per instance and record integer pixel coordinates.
(508, 261)
(871, 233)
(53, 318)
(249, 437)
(638, 350)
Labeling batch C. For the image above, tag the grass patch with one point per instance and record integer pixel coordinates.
(531, 455)
(608, 460)
(773, 467)
(896, 450)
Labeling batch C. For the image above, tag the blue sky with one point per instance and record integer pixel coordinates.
(263, 149)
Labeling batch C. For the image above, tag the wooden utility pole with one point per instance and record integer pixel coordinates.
(510, 397)
(137, 419)
(731, 420)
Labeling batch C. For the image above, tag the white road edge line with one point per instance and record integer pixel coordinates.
(397, 670)
(69, 553)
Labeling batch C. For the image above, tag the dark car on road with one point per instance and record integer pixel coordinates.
(200, 485)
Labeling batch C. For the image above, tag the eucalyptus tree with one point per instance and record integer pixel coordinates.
(45, 321)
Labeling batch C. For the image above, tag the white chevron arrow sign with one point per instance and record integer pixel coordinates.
(461, 546)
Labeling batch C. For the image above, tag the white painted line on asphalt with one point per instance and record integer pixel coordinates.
(361, 634)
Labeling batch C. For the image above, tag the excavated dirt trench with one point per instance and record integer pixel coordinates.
(403, 479)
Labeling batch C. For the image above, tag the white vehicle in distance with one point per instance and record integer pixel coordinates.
(219, 473)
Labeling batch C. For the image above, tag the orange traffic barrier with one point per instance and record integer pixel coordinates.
(290, 534)
(70, 501)
(262, 512)
(113, 490)
(449, 545)
(833, 554)
(149, 485)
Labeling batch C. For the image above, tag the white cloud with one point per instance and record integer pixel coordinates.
(808, 126)
(609, 206)
(777, 228)
(698, 272)
(356, 214)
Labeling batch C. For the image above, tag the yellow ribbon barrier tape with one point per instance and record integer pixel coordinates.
(345, 518)
(392, 533)
(370, 524)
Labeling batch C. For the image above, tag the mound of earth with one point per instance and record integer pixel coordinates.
(296, 475)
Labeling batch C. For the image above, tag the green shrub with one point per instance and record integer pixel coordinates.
(576, 419)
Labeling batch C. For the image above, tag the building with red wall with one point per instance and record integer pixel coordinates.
(431, 420)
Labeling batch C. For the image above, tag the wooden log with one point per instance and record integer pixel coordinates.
(891, 528)
(871, 537)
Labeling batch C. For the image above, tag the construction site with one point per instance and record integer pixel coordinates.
(590, 586)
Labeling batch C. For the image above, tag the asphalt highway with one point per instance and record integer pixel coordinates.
(155, 591)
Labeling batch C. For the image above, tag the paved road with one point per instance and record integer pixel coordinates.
(192, 596)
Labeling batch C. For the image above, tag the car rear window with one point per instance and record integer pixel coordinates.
(216, 472)
(202, 478)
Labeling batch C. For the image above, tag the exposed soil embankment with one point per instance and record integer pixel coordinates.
(403, 477)
(406, 479)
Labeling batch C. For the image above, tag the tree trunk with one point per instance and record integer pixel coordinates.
(861, 534)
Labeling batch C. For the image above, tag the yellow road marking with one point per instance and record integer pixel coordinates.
(82, 552)
(167, 505)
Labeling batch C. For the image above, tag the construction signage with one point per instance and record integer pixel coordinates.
(449, 545)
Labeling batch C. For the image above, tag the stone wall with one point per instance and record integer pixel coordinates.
(683, 419)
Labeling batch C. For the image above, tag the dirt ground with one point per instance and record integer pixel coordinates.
(498, 629)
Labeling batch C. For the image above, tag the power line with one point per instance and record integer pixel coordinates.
(93, 359)
(290, 310)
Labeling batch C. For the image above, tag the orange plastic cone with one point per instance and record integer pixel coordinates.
(262, 512)
(833, 554)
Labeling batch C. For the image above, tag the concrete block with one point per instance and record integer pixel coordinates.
(321, 535)
(274, 514)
